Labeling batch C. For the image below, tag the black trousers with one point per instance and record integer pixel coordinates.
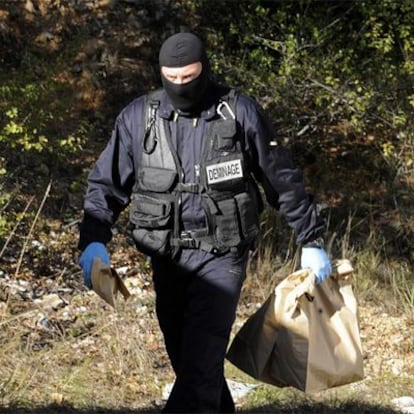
(196, 301)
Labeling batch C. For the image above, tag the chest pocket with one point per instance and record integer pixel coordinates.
(224, 135)
(158, 180)
(225, 162)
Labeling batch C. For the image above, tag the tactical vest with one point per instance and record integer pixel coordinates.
(230, 197)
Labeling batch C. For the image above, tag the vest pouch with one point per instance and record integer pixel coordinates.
(152, 242)
(158, 180)
(150, 212)
(249, 215)
(225, 134)
(227, 230)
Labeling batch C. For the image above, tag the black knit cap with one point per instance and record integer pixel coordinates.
(182, 49)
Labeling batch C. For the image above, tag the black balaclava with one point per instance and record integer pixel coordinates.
(179, 50)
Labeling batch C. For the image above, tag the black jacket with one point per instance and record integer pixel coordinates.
(111, 180)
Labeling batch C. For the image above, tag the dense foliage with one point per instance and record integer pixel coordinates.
(319, 65)
(336, 76)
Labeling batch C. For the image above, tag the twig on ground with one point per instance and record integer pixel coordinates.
(15, 226)
(32, 228)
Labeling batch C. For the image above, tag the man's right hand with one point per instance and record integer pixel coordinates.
(93, 250)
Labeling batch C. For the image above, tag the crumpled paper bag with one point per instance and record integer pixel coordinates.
(304, 335)
(107, 283)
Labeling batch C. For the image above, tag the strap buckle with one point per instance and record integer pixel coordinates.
(187, 240)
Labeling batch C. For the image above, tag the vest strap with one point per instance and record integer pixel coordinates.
(189, 187)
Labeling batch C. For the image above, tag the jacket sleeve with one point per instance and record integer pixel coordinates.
(273, 167)
(109, 187)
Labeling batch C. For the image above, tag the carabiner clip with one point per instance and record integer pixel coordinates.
(227, 106)
(150, 138)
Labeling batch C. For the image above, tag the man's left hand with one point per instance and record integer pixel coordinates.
(316, 259)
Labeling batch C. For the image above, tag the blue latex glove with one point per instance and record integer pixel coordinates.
(316, 259)
(92, 251)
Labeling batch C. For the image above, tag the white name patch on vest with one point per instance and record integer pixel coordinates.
(224, 171)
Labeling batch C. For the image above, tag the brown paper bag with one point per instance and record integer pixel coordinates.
(107, 283)
(304, 335)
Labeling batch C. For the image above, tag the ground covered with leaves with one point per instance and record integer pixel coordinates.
(64, 348)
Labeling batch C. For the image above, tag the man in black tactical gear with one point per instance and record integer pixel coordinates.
(187, 158)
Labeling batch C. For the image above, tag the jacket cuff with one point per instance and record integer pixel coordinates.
(93, 230)
(319, 243)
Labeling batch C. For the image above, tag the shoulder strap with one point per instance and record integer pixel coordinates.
(155, 95)
(227, 105)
